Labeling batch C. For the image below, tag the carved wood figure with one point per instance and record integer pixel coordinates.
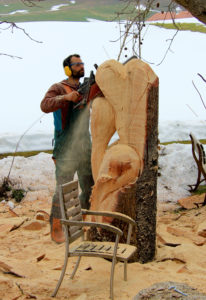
(128, 91)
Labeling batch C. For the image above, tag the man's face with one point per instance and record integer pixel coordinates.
(77, 67)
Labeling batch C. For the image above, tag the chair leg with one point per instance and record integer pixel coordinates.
(75, 268)
(61, 276)
(125, 270)
(112, 280)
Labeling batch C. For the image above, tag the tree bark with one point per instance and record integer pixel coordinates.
(146, 189)
(196, 7)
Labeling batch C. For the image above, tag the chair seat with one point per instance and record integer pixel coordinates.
(102, 249)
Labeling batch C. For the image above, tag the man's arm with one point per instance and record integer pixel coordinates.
(53, 99)
(56, 98)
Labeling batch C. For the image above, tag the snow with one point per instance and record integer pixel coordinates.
(25, 81)
(23, 11)
(30, 173)
(177, 169)
(57, 7)
(168, 131)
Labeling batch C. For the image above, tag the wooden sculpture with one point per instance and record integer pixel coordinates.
(123, 109)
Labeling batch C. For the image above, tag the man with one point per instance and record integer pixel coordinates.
(72, 144)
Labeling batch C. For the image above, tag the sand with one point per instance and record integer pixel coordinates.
(30, 262)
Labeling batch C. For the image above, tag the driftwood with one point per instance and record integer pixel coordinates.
(125, 173)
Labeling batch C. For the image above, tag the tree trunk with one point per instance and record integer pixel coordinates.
(146, 190)
(136, 196)
(196, 7)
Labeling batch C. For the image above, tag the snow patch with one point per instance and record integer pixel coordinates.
(57, 7)
(18, 12)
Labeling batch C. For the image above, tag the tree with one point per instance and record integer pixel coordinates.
(142, 200)
(5, 25)
(136, 12)
(196, 7)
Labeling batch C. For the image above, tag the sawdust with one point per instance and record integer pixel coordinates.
(30, 262)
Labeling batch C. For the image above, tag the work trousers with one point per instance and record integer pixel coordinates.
(65, 172)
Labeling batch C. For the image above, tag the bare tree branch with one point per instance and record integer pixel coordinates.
(201, 77)
(21, 137)
(10, 55)
(135, 15)
(12, 26)
(168, 49)
(199, 95)
(192, 110)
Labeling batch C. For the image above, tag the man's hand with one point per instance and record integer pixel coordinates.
(74, 96)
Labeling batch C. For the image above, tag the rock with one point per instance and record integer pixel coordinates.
(189, 202)
(165, 291)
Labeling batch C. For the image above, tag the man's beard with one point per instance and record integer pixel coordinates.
(78, 74)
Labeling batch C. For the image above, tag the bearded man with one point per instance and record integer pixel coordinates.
(72, 143)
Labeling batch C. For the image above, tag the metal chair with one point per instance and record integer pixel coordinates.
(73, 225)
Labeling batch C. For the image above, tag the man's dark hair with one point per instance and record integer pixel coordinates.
(67, 61)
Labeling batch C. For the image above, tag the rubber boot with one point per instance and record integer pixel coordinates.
(57, 234)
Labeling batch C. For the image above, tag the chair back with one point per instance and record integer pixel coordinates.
(71, 209)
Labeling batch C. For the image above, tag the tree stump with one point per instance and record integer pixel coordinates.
(125, 173)
(146, 187)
